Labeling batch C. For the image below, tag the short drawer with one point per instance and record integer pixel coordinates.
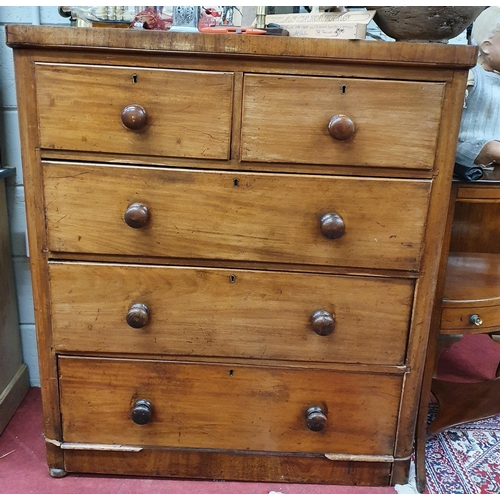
(286, 118)
(471, 301)
(470, 318)
(134, 111)
(227, 406)
(234, 313)
(284, 218)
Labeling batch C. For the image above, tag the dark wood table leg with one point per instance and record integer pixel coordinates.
(436, 347)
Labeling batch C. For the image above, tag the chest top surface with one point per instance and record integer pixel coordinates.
(450, 56)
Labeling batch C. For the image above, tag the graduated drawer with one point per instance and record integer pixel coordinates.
(236, 216)
(227, 406)
(227, 312)
(285, 119)
(167, 112)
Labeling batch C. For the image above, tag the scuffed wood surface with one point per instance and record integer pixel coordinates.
(400, 53)
(400, 117)
(196, 124)
(227, 406)
(266, 218)
(201, 312)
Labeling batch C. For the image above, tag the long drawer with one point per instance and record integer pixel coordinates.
(226, 406)
(131, 110)
(285, 218)
(227, 312)
(340, 121)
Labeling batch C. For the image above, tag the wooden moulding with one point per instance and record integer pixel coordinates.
(406, 54)
(231, 466)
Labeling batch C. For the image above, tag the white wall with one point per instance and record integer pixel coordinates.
(11, 157)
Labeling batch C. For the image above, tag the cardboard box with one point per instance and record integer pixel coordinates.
(346, 25)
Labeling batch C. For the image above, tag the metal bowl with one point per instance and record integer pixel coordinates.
(425, 24)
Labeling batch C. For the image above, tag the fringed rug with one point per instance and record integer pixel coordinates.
(465, 458)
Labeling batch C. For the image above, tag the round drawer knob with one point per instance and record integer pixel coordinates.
(341, 127)
(142, 412)
(322, 323)
(332, 226)
(134, 117)
(475, 319)
(315, 419)
(138, 316)
(136, 215)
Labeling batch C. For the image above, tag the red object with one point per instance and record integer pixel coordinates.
(212, 12)
(152, 20)
(233, 30)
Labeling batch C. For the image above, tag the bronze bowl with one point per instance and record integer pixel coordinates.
(424, 24)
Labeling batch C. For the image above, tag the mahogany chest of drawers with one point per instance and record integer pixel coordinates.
(233, 243)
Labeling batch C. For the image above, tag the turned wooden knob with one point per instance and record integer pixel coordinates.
(136, 215)
(315, 419)
(476, 320)
(142, 412)
(138, 316)
(322, 323)
(341, 127)
(332, 226)
(134, 117)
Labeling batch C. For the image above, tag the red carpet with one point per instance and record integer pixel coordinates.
(465, 459)
(23, 469)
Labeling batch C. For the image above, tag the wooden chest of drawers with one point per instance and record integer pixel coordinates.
(233, 244)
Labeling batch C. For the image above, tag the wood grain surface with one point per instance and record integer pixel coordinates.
(229, 312)
(369, 52)
(198, 237)
(224, 406)
(236, 216)
(188, 112)
(298, 110)
(220, 465)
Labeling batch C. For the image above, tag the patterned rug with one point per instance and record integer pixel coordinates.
(464, 459)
